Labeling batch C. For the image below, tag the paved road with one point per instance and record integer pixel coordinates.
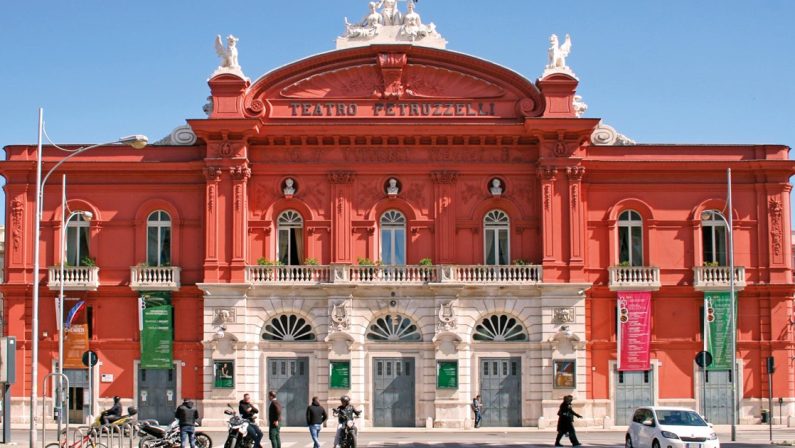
(420, 438)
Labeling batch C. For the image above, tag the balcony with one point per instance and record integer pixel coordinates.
(154, 278)
(394, 275)
(717, 278)
(634, 278)
(75, 278)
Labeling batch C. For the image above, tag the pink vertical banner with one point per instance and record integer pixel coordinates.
(634, 330)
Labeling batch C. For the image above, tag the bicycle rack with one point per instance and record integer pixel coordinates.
(60, 395)
(117, 436)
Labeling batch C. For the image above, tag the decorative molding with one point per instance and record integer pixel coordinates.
(605, 135)
(547, 173)
(340, 316)
(213, 173)
(180, 136)
(238, 196)
(574, 194)
(211, 197)
(444, 176)
(17, 210)
(240, 172)
(776, 232)
(341, 177)
(446, 316)
(575, 173)
(547, 196)
(223, 316)
(391, 66)
(565, 334)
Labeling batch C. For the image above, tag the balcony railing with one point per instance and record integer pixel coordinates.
(635, 278)
(157, 278)
(717, 278)
(288, 275)
(75, 278)
(388, 274)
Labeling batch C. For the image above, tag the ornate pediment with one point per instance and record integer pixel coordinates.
(368, 81)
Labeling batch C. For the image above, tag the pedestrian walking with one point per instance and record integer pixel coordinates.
(477, 408)
(566, 422)
(315, 417)
(188, 417)
(274, 414)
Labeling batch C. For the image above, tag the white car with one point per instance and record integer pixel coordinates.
(669, 427)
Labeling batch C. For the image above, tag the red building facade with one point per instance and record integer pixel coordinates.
(403, 216)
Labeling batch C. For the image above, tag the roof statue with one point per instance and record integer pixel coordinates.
(387, 24)
(579, 106)
(228, 57)
(557, 55)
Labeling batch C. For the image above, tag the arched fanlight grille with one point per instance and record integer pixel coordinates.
(500, 328)
(288, 328)
(290, 218)
(393, 328)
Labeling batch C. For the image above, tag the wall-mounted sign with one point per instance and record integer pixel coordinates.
(106, 378)
(564, 373)
(447, 374)
(224, 374)
(339, 374)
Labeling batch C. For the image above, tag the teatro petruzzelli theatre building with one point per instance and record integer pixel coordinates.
(410, 226)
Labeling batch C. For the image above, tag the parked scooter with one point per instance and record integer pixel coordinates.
(119, 422)
(157, 437)
(238, 436)
(348, 437)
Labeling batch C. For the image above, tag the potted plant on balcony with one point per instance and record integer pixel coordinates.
(368, 273)
(711, 264)
(426, 270)
(262, 261)
(520, 262)
(88, 261)
(311, 261)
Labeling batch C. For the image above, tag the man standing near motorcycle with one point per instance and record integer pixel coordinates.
(188, 418)
(249, 412)
(274, 414)
(315, 417)
(346, 412)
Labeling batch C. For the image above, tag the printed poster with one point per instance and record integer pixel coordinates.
(634, 330)
(75, 335)
(156, 338)
(719, 329)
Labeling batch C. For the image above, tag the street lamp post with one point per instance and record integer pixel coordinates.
(61, 394)
(136, 141)
(732, 313)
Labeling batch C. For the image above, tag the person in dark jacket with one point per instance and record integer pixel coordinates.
(315, 417)
(188, 417)
(566, 422)
(114, 413)
(249, 412)
(274, 414)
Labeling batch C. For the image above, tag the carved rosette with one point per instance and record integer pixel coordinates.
(16, 223)
(776, 228)
(341, 177)
(444, 176)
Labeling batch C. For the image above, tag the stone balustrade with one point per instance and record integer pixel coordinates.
(75, 278)
(394, 274)
(634, 278)
(717, 278)
(160, 278)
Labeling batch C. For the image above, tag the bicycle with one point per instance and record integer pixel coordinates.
(88, 440)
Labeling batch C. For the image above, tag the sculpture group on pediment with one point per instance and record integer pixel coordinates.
(385, 13)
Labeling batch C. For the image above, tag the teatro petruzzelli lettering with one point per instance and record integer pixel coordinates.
(392, 109)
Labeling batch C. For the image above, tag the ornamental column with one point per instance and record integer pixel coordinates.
(576, 229)
(212, 174)
(341, 185)
(240, 175)
(551, 250)
(444, 212)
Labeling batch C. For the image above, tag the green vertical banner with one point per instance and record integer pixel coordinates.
(156, 338)
(720, 340)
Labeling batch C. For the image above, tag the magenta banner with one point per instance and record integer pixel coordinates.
(634, 330)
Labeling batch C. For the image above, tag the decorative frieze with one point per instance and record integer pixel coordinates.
(444, 176)
(776, 231)
(341, 177)
(563, 315)
(17, 210)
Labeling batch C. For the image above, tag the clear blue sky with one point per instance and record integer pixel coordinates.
(673, 71)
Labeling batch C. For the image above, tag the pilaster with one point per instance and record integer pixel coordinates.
(341, 185)
(444, 210)
(576, 228)
(547, 175)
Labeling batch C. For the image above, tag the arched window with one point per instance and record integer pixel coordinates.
(290, 244)
(630, 238)
(288, 328)
(77, 233)
(158, 239)
(500, 328)
(393, 238)
(496, 230)
(713, 236)
(394, 328)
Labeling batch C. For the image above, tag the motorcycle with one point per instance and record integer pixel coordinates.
(348, 436)
(238, 436)
(157, 437)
